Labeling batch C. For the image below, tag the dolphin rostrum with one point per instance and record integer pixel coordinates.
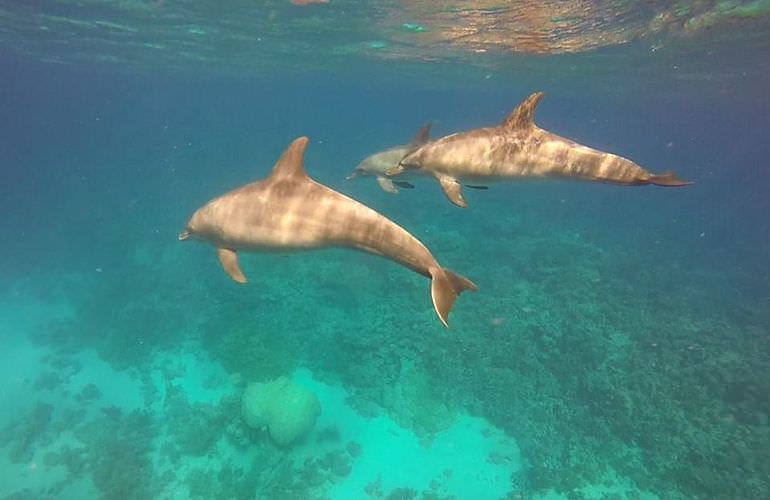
(290, 211)
(519, 148)
(377, 164)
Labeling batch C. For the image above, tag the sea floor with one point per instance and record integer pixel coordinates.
(587, 366)
(54, 406)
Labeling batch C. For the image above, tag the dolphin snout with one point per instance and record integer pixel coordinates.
(355, 173)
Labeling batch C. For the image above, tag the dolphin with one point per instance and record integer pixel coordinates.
(519, 148)
(377, 164)
(290, 211)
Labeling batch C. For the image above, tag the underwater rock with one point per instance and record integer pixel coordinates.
(374, 488)
(341, 466)
(311, 474)
(75, 460)
(328, 434)
(29, 432)
(48, 381)
(25, 494)
(354, 449)
(287, 410)
(112, 412)
(402, 494)
(89, 393)
(337, 462)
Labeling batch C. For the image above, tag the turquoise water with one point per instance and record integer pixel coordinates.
(618, 345)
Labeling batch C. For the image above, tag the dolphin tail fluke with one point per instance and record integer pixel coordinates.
(668, 179)
(445, 287)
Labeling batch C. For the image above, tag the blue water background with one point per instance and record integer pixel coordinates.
(93, 160)
(101, 169)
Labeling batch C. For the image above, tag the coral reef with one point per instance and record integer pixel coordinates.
(588, 370)
(590, 362)
(607, 342)
(101, 440)
(287, 410)
(27, 432)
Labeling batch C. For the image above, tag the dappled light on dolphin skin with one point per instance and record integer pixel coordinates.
(289, 211)
(515, 149)
(290, 338)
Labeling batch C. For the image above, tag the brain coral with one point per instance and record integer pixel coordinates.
(287, 410)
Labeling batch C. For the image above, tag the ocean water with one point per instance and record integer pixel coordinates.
(618, 346)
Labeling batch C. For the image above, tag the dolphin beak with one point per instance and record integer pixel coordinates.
(184, 235)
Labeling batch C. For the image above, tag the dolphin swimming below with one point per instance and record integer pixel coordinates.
(377, 164)
(519, 148)
(290, 211)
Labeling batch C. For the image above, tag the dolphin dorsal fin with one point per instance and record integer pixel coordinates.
(524, 114)
(291, 163)
(422, 137)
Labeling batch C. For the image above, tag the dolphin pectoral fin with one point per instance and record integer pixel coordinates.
(445, 287)
(668, 179)
(476, 186)
(386, 185)
(404, 184)
(394, 170)
(229, 260)
(452, 190)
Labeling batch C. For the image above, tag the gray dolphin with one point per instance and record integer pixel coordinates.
(377, 164)
(519, 148)
(290, 211)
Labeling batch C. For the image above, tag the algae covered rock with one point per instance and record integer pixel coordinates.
(287, 410)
